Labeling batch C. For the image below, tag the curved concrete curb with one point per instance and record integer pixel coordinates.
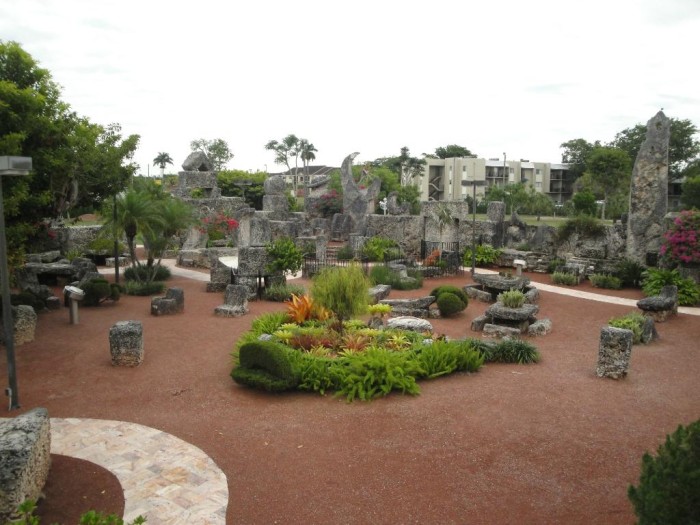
(164, 478)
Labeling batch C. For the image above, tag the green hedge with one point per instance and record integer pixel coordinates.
(265, 365)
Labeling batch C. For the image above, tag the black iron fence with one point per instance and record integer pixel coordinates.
(441, 258)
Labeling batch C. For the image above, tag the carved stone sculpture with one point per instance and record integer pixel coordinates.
(357, 202)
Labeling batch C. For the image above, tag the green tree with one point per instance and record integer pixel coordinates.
(285, 151)
(239, 183)
(683, 148)
(539, 204)
(307, 154)
(405, 166)
(576, 153)
(584, 203)
(514, 195)
(449, 151)
(217, 150)
(610, 171)
(691, 193)
(342, 290)
(162, 160)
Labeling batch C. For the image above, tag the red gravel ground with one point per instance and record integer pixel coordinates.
(543, 443)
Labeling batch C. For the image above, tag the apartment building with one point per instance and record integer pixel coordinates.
(456, 178)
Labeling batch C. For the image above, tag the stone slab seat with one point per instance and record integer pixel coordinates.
(25, 459)
(660, 307)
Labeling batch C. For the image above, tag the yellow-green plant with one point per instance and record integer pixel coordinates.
(342, 290)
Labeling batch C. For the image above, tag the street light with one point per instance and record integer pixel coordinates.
(9, 166)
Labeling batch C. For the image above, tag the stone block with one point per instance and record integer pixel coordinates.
(25, 319)
(172, 303)
(410, 323)
(126, 343)
(532, 295)
(540, 327)
(478, 323)
(260, 232)
(25, 459)
(495, 330)
(379, 292)
(53, 303)
(474, 291)
(614, 352)
(649, 332)
(419, 303)
(235, 301)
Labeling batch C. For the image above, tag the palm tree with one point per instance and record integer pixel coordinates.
(162, 160)
(307, 154)
(175, 216)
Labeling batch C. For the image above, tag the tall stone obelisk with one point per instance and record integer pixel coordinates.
(649, 192)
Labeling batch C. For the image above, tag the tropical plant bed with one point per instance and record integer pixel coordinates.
(356, 361)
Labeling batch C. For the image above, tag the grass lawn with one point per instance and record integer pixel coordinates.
(532, 219)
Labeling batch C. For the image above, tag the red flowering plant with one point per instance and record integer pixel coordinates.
(218, 227)
(681, 243)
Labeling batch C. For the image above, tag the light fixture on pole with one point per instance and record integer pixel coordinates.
(9, 166)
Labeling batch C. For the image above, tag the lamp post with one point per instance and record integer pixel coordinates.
(473, 223)
(9, 166)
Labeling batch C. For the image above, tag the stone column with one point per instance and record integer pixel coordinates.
(126, 343)
(614, 352)
(649, 192)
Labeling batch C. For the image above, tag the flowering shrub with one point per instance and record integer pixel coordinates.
(329, 204)
(681, 243)
(218, 227)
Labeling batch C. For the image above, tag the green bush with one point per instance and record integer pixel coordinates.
(285, 256)
(632, 321)
(669, 484)
(377, 372)
(512, 351)
(378, 248)
(25, 516)
(444, 357)
(265, 365)
(268, 323)
(565, 278)
(345, 253)
(26, 297)
(143, 289)
(629, 272)
(654, 279)
(486, 255)
(511, 298)
(98, 291)
(316, 374)
(282, 292)
(103, 244)
(604, 280)
(555, 264)
(447, 288)
(449, 304)
(381, 274)
(144, 273)
(583, 225)
(343, 291)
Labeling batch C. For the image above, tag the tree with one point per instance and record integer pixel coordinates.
(405, 166)
(514, 195)
(449, 151)
(691, 193)
(307, 154)
(609, 170)
(584, 203)
(75, 162)
(576, 153)
(683, 147)
(217, 151)
(239, 183)
(162, 160)
(539, 204)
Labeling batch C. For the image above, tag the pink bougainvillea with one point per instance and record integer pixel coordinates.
(681, 242)
(219, 226)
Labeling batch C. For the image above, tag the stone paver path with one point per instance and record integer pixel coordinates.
(164, 478)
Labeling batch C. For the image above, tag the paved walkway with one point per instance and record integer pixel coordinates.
(164, 479)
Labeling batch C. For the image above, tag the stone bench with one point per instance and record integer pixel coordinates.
(25, 448)
(172, 303)
(660, 307)
(235, 301)
(419, 307)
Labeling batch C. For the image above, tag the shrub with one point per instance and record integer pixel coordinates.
(103, 244)
(512, 298)
(444, 357)
(604, 280)
(512, 351)
(632, 321)
(26, 297)
(447, 288)
(486, 255)
(268, 323)
(265, 365)
(681, 243)
(343, 291)
(449, 304)
(629, 272)
(25, 514)
(144, 273)
(565, 278)
(143, 289)
(316, 374)
(98, 291)
(378, 248)
(555, 264)
(282, 292)
(285, 256)
(329, 204)
(654, 279)
(345, 253)
(669, 484)
(583, 225)
(375, 373)
(381, 274)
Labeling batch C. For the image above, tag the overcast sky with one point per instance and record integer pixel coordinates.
(512, 76)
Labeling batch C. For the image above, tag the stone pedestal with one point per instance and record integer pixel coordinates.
(614, 352)
(126, 343)
(235, 302)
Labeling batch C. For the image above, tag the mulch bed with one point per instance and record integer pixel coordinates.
(544, 443)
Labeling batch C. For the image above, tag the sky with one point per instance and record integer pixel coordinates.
(367, 76)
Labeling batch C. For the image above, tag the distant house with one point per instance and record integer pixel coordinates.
(317, 178)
